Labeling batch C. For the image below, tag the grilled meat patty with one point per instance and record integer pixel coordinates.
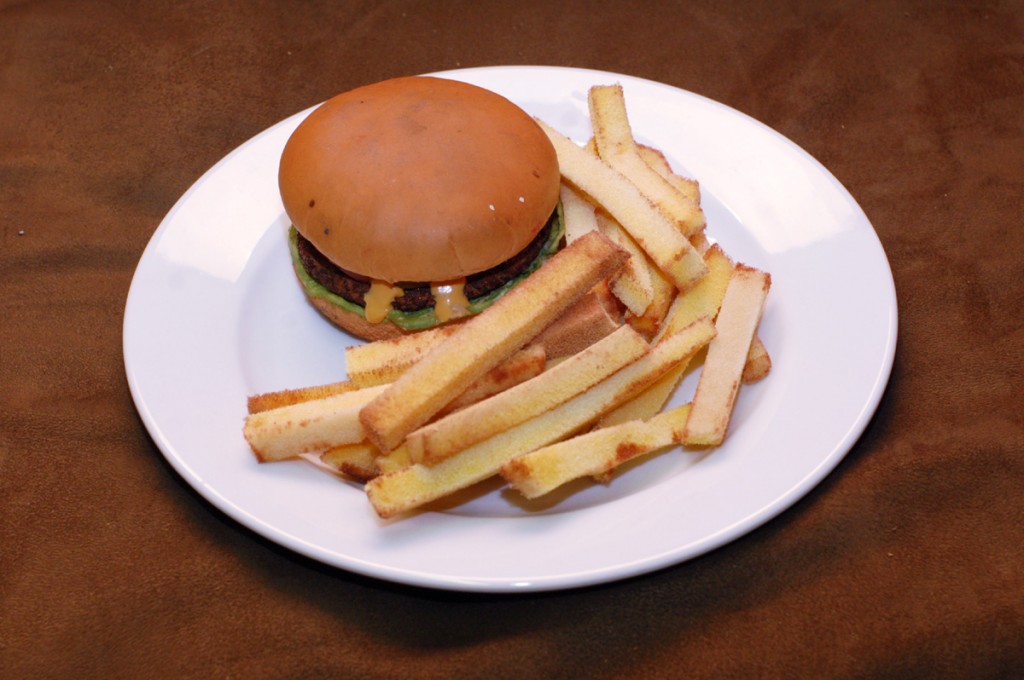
(417, 295)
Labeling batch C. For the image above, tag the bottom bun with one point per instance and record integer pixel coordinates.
(354, 324)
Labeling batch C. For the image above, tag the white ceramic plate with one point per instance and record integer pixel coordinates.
(214, 314)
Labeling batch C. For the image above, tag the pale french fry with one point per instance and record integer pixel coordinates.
(663, 292)
(413, 486)
(460, 430)
(645, 405)
(358, 461)
(485, 340)
(616, 146)
(632, 284)
(382, 361)
(577, 213)
(721, 374)
(525, 364)
(270, 400)
(656, 159)
(519, 367)
(649, 402)
(758, 364)
(313, 425)
(667, 247)
(595, 453)
(684, 185)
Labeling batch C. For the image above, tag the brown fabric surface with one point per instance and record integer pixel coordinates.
(908, 561)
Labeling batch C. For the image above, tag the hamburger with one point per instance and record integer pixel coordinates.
(417, 201)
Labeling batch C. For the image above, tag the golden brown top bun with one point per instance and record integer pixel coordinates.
(419, 179)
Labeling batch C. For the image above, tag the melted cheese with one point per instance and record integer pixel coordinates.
(450, 300)
(378, 300)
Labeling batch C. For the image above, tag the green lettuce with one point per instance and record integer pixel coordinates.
(425, 318)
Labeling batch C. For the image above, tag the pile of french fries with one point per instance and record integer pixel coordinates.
(567, 376)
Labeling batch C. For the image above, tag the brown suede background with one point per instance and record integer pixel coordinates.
(908, 561)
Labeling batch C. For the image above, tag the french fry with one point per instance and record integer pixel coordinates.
(758, 361)
(720, 377)
(758, 364)
(703, 300)
(577, 213)
(395, 460)
(700, 243)
(649, 402)
(595, 453)
(413, 486)
(483, 341)
(632, 284)
(313, 425)
(667, 247)
(616, 146)
(382, 361)
(276, 425)
(460, 430)
(358, 461)
(595, 316)
(684, 185)
(663, 292)
(527, 363)
(271, 400)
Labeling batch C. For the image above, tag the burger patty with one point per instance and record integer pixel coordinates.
(417, 295)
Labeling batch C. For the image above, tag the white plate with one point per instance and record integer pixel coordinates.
(214, 314)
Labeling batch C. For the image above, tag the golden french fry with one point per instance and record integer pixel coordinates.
(663, 292)
(485, 340)
(271, 400)
(382, 361)
(313, 425)
(596, 453)
(577, 213)
(667, 247)
(395, 460)
(358, 461)
(684, 185)
(632, 284)
(525, 364)
(705, 298)
(616, 146)
(460, 430)
(700, 243)
(413, 486)
(648, 403)
(720, 377)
